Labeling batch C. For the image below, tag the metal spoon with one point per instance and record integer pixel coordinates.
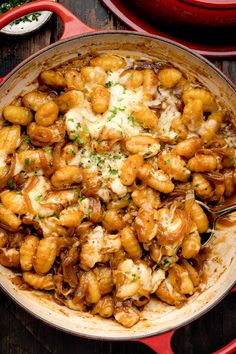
(213, 215)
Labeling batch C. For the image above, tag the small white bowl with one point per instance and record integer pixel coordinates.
(26, 27)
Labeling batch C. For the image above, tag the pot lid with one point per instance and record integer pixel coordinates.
(220, 4)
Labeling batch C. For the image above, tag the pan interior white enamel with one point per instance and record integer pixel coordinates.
(220, 266)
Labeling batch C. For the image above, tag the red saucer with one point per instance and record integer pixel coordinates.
(132, 20)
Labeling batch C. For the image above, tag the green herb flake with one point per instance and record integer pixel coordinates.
(165, 262)
(134, 278)
(100, 162)
(124, 90)
(38, 197)
(90, 211)
(54, 215)
(109, 84)
(27, 162)
(75, 136)
(85, 129)
(114, 112)
(19, 193)
(71, 120)
(40, 217)
(81, 142)
(78, 125)
(110, 72)
(176, 137)
(116, 157)
(166, 162)
(48, 150)
(152, 172)
(234, 161)
(112, 171)
(27, 139)
(6, 124)
(10, 183)
(82, 197)
(131, 119)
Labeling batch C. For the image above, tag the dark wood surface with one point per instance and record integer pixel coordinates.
(20, 333)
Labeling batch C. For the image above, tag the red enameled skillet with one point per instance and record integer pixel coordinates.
(159, 322)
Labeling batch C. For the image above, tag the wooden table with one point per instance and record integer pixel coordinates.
(22, 334)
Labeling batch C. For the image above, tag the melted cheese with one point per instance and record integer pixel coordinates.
(108, 164)
(3, 156)
(36, 195)
(118, 188)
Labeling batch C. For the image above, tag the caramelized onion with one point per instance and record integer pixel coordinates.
(81, 289)
(215, 177)
(95, 206)
(32, 183)
(8, 228)
(56, 155)
(4, 179)
(45, 164)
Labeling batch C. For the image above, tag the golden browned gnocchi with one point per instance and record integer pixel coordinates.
(17, 115)
(104, 169)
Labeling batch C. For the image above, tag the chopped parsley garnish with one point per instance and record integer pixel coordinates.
(109, 84)
(81, 142)
(10, 183)
(27, 162)
(19, 193)
(124, 90)
(165, 262)
(71, 120)
(38, 197)
(117, 157)
(27, 139)
(109, 72)
(54, 215)
(100, 162)
(85, 129)
(131, 76)
(114, 112)
(6, 124)
(47, 149)
(112, 172)
(90, 211)
(134, 278)
(176, 137)
(39, 217)
(234, 161)
(82, 197)
(131, 119)
(166, 162)
(27, 18)
(78, 125)
(75, 136)
(152, 172)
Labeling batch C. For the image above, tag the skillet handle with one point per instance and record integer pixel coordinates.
(159, 344)
(72, 25)
(231, 347)
(162, 344)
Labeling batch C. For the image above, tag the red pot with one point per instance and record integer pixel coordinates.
(157, 329)
(210, 13)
